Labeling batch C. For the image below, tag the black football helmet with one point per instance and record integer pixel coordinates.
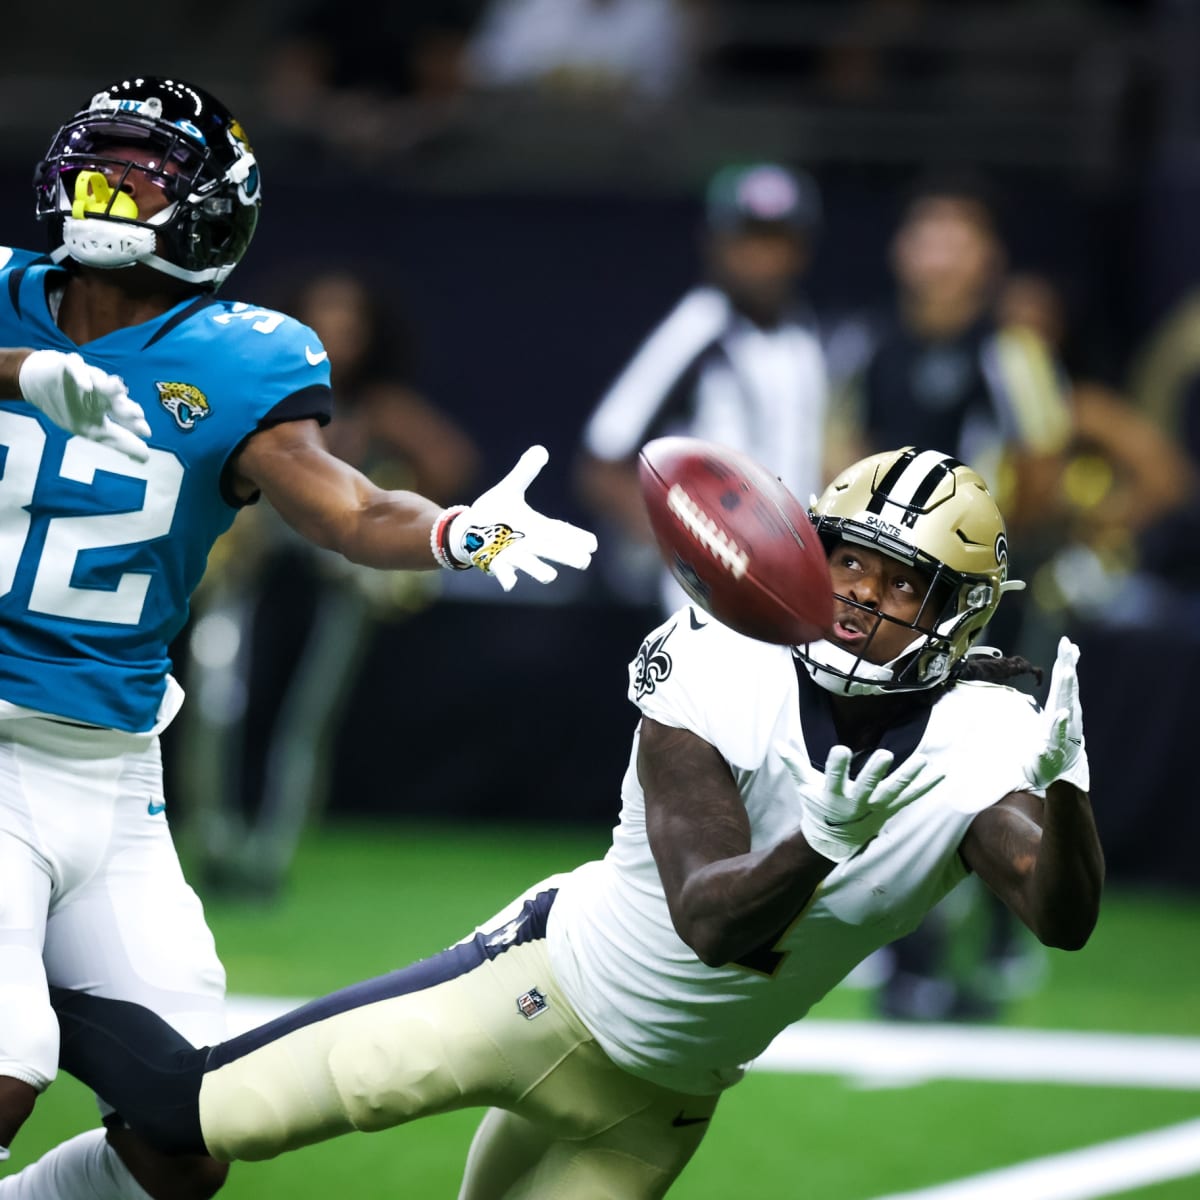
(205, 166)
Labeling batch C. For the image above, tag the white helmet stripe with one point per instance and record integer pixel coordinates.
(911, 481)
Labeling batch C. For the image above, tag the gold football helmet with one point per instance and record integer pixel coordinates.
(927, 510)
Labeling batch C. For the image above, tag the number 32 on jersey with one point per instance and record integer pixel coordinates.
(23, 443)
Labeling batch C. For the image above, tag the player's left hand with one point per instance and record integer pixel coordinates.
(85, 400)
(501, 535)
(1063, 756)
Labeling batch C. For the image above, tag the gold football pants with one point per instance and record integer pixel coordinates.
(482, 1024)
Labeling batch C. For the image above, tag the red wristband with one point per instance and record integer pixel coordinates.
(439, 539)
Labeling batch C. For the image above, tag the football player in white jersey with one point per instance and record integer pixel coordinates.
(138, 413)
(786, 811)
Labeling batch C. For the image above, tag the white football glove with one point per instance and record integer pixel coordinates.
(1063, 756)
(852, 811)
(85, 400)
(501, 535)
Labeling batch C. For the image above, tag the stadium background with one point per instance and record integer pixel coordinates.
(532, 244)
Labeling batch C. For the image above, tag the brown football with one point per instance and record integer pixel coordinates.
(739, 543)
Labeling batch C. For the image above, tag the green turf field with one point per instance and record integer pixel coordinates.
(368, 899)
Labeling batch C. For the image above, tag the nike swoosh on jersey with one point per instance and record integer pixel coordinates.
(314, 359)
(155, 807)
(680, 1121)
(692, 620)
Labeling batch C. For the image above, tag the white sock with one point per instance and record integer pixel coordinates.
(85, 1168)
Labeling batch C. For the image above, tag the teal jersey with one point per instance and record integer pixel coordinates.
(98, 554)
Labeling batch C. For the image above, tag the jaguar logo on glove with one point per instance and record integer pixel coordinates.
(483, 544)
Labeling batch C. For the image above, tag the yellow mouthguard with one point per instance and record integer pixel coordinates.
(92, 195)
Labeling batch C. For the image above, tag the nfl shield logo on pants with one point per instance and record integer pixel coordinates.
(531, 1004)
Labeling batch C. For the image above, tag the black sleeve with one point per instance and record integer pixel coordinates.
(310, 403)
(314, 402)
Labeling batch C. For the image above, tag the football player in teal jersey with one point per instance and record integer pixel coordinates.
(138, 412)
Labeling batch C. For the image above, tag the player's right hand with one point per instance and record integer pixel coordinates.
(851, 812)
(85, 400)
(501, 535)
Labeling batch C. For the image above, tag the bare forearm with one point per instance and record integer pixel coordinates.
(725, 898)
(1067, 879)
(736, 905)
(332, 504)
(10, 367)
(389, 531)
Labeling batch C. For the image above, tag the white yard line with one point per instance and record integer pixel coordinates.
(245, 1012)
(883, 1054)
(1104, 1170)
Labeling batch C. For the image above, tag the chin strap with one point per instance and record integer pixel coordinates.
(984, 652)
(110, 245)
(118, 246)
(845, 674)
(838, 671)
(94, 241)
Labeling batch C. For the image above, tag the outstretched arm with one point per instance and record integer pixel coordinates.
(727, 900)
(1043, 858)
(335, 506)
(331, 503)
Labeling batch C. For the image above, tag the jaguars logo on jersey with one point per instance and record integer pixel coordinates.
(184, 401)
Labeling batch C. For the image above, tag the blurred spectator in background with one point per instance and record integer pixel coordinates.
(1146, 609)
(281, 625)
(396, 79)
(876, 45)
(1165, 379)
(938, 367)
(388, 80)
(737, 361)
(1124, 484)
(1117, 488)
(634, 48)
(1165, 386)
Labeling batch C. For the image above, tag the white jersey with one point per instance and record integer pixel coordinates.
(652, 1004)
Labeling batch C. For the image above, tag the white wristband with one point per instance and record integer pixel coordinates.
(439, 539)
